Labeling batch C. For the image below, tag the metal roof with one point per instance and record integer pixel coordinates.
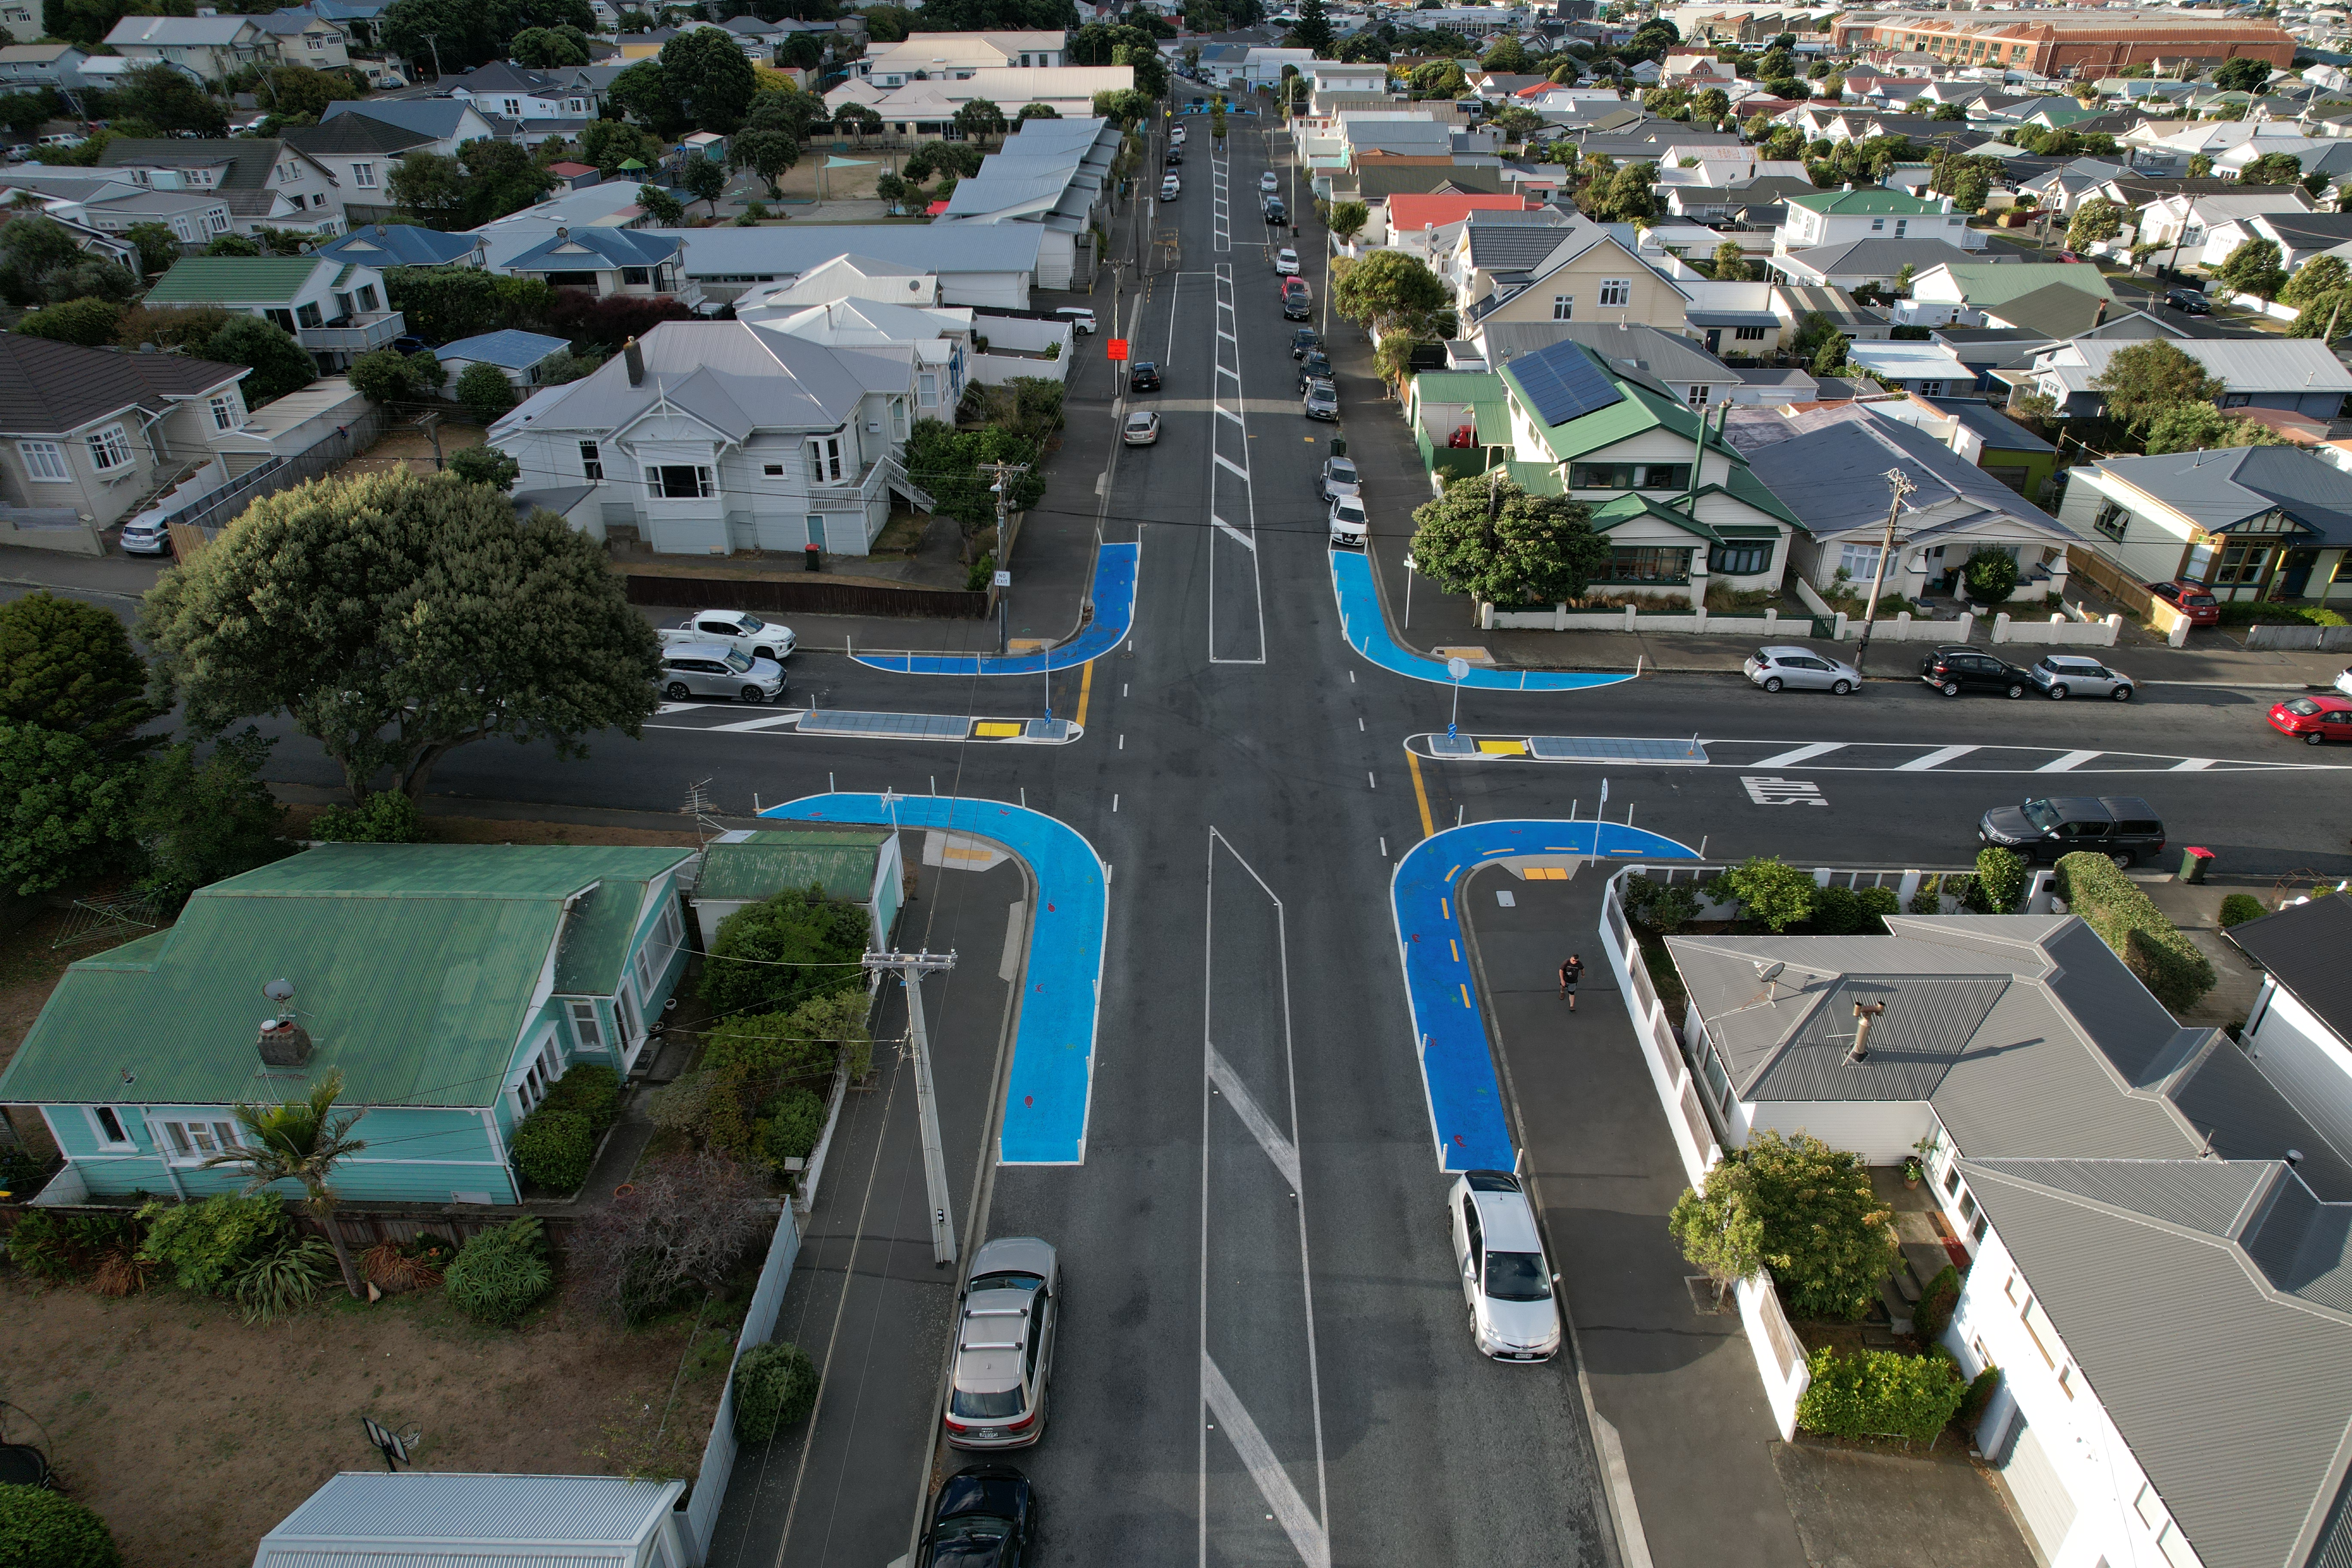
(1871, 257)
(1833, 474)
(594, 250)
(731, 376)
(2303, 946)
(2218, 490)
(1660, 354)
(510, 349)
(841, 860)
(786, 252)
(399, 245)
(236, 279)
(419, 1517)
(50, 388)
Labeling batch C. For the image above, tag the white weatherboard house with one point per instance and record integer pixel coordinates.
(2158, 1242)
(712, 437)
(2299, 1030)
(2246, 522)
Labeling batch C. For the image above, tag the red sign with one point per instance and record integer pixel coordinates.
(1118, 348)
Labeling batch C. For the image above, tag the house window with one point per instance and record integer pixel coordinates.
(363, 175)
(1876, 224)
(1563, 307)
(639, 275)
(1648, 564)
(514, 108)
(624, 1005)
(587, 1028)
(1740, 560)
(46, 461)
(2236, 399)
(825, 460)
(2241, 564)
(1616, 291)
(1858, 562)
(1901, 224)
(224, 413)
(1696, 397)
(318, 198)
(2038, 1329)
(310, 315)
(192, 1141)
(898, 429)
(1628, 475)
(650, 964)
(1748, 334)
(366, 298)
(679, 481)
(592, 462)
(110, 450)
(219, 220)
(926, 389)
(2111, 519)
(109, 1126)
(537, 1076)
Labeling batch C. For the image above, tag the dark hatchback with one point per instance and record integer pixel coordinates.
(1952, 670)
(1315, 367)
(2123, 827)
(984, 1516)
(1144, 377)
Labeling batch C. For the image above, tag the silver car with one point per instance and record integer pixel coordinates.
(1348, 524)
(691, 669)
(1801, 668)
(1004, 1345)
(1322, 400)
(2064, 675)
(1339, 479)
(1513, 1316)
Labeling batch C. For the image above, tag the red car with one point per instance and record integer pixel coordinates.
(2314, 719)
(2190, 599)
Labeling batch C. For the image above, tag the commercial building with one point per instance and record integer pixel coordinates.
(2056, 42)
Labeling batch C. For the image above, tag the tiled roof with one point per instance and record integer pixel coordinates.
(47, 388)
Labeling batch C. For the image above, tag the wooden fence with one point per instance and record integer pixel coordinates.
(812, 593)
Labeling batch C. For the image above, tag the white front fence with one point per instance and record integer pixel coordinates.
(718, 1454)
(2058, 630)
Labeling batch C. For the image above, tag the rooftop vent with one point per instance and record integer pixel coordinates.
(1865, 1015)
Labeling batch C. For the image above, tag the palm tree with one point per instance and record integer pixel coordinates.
(301, 1141)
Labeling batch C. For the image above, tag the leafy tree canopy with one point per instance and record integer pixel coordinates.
(716, 77)
(2242, 75)
(70, 667)
(65, 808)
(2194, 427)
(89, 322)
(469, 33)
(543, 49)
(299, 90)
(2140, 381)
(1489, 538)
(1389, 289)
(646, 91)
(199, 821)
(2253, 268)
(168, 98)
(1800, 1208)
(280, 364)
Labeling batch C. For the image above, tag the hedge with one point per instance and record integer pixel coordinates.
(593, 1091)
(41, 1528)
(2111, 904)
(1934, 1312)
(552, 1148)
(775, 1385)
(2239, 908)
(1881, 1394)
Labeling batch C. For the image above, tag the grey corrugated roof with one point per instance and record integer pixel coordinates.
(2303, 947)
(465, 1516)
(2108, 1003)
(1928, 1025)
(783, 251)
(730, 374)
(2217, 489)
(1996, 430)
(1513, 246)
(2216, 1198)
(2244, 1116)
(1874, 256)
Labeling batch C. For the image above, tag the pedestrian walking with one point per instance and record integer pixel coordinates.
(1569, 973)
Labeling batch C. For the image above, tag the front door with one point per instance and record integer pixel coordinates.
(1714, 339)
(2295, 572)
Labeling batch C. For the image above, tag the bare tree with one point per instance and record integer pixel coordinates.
(690, 1222)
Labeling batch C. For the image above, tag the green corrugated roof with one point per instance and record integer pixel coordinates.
(763, 865)
(1537, 479)
(1983, 283)
(1634, 504)
(1868, 201)
(596, 939)
(234, 279)
(1458, 387)
(414, 968)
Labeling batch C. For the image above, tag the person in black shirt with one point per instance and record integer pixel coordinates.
(1569, 973)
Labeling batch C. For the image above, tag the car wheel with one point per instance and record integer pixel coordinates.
(2121, 694)
(2313, 739)
(1950, 688)
(675, 691)
(2057, 694)
(764, 652)
(1842, 687)
(2122, 858)
(753, 694)
(1772, 683)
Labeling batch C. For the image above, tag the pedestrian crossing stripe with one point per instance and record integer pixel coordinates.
(995, 728)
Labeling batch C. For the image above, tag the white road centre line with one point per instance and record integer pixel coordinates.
(1290, 1510)
(1935, 758)
(1278, 1149)
(2067, 764)
(1790, 759)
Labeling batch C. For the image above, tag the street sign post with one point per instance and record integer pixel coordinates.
(1116, 348)
(1456, 671)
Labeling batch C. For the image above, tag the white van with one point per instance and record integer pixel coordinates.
(1081, 319)
(1171, 188)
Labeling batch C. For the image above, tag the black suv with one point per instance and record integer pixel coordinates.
(2123, 827)
(1952, 670)
(1303, 341)
(1315, 367)
(1144, 377)
(1276, 213)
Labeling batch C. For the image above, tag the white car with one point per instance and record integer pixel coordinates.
(1500, 1256)
(146, 535)
(1171, 188)
(1349, 525)
(1141, 429)
(738, 629)
(1081, 319)
(1339, 479)
(1286, 262)
(1267, 182)
(2343, 682)
(1176, 136)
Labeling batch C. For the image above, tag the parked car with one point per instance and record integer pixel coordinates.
(1952, 670)
(2314, 719)
(2343, 682)
(2123, 827)
(1004, 1345)
(2188, 301)
(1322, 401)
(1268, 182)
(1305, 342)
(1297, 300)
(1140, 429)
(1315, 367)
(146, 535)
(2191, 599)
(1513, 1316)
(1348, 524)
(1286, 262)
(1171, 188)
(1276, 212)
(690, 669)
(1144, 377)
(738, 629)
(1081, 319)
(1340, 479)
(1176, 136)
(1801, 668)
(1175, 156)
(2064, 675)
(984, 1516)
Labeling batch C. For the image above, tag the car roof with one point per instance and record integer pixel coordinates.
(2126, 805)
(697, 650)
(1140, 416)
(1789, 647)
(1508, 1224)
(1339, 462)
(991, 1491)
(989, 1339)
(1015, 1255)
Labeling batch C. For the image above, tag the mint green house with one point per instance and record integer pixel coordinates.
(450, 983)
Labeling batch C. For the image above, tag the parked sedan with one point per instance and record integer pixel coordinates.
(1268, 181)
(713, 669)
(2191, 599)
(2064, 675)
(1952, 670)
(1286, 262)
(1340, 479)
(1315, 367)
(1800, 669)
(2314, 719)
(984, 1516)
(1322, 401)
(2188, 301)
(1500, 1257)
(1305, 342)
(1141, 429)
(1144, 377)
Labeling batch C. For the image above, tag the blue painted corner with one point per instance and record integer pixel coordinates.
(1366, 632)
(1049, 1088)
(1457, 1068)
(1114, 602)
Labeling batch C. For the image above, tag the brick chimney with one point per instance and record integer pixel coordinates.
(284, 1043)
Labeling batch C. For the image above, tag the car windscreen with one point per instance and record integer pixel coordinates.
(974, 1528)
(2040, 814)
(740, 663)
(1516, 1277)
(2199, 599)
(751, 624)
(1002, 1406)
(1343, 470)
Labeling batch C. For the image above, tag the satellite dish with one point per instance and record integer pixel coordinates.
(1769, 971)
(280, 991)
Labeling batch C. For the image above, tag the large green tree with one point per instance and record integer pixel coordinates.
(168, 98)
(2272, 169)
(1800, 1208)
(2242, 75)
(2200, 426)
(299, 90)
(713, 75)
(65, 808)
(545, 48)
(280, 364)
(2253, 268)
(609, 143)
(395, 617)
(1489, 538)
(198, 822)
(469, 33)
(70, 667)
(2143, 380)
(2316, 279)
(980, 119)
(2095, 220)
(1389, 291)
(1313, 31)
(767, 154)
(647, 92)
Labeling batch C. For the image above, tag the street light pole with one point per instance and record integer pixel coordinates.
(911, 967)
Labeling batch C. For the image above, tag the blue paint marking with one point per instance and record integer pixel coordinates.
(1049, 1088)
(1457, 1069)
(1368, 633)
(1114, 600)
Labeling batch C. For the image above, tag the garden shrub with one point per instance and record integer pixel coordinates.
(775, 1385)
(1661, 907)
(1881, 1394)
(552, 1148)
(1934, 1312)
(1836, 911)
(2002, 877)
(772, 1045)
(684, 1104)
(2254, 612)
(799, 944)
(48, 1246)
(287, 1276)
(388, 817)
(21, 1175)
(204, 1246)
(42, 1529)
(1990, 575)
(1877, 904)
(794, 1124)
(502, 1273)
(1928, 897)
(2237, 909)
(1981, 1388)
(1766, 890)
(2127, 920)
(593, 1091)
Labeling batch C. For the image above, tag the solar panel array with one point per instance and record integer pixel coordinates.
(1564, 384)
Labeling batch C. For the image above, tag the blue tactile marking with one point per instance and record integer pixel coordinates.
(1114, 602)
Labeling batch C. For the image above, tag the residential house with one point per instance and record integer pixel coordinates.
(610, 206)
(1573, 270)
(712, 436)
(1830, 467)
(642, 263)
(1797, 305)
(383, 245)
(2299, 375)
(924, 111)
(1929, 369)
(1963, 292)
(1989, 438)
(448, 984)
(2186, 221)
(1673, 362)
(1861, 263)
(2070, 1127)
(843, 277)
(852, 865)
(1396, 221)
(23, 66)
(1677, 501)
(267, 183)
(2247, 523)
(1054, 175)
(214, 47)
(972, 264)
(541, 102)
(195, 217)
(1872, 212)
(940, 339)
(451, 122)
(334, 309)
(2299, 1029)
(1732, 316)
(1697, 70)
(924, 56)
(2299, 236)
(96, 431)
(516, 355)
(93, 242)
(360, 155)
(304, 38)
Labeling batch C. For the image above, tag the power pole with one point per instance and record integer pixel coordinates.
(911, 967)
(1900, 484)
(1003, 472)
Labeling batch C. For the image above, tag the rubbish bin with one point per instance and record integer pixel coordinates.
(2193, 862)
(815, 558)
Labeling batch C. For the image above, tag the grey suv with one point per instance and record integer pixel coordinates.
(2123, 827)
(691, 669)
(1004, 1345)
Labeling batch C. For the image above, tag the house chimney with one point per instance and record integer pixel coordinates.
(2099, 317)
(635, 357)
(1865, 1013)
(1847, 186)
(284, 1043)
